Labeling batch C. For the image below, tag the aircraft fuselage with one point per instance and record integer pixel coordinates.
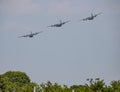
(58, 25)
(91, 18)
(30, 36)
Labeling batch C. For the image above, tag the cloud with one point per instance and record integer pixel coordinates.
(18, 6)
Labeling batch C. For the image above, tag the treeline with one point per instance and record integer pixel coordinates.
(16, 81)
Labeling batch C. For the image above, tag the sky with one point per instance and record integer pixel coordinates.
(67, 55)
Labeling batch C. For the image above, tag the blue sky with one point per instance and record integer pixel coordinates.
(67, 55)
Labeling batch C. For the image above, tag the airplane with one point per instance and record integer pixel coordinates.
(59, 24)
(31, 34)
(91, 17)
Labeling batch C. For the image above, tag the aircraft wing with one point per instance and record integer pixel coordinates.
(24, 36)
(66, 22)
(52, 25)
(97, 14)
(37, 33)
(84, 19)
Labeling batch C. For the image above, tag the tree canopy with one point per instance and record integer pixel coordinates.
(20, 78)
(16, 81)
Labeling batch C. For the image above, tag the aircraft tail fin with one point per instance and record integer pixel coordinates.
(60, 21)
(91, 15)
(30, 32)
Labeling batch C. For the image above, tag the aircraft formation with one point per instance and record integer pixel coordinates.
(60, 25)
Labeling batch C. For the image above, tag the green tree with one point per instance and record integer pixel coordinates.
(2, 84)
(96, 85)
(57, 88)
(15, 81)
(28, 87)
(115, 86)
(81, 88)
(66, 88)
(20, 78)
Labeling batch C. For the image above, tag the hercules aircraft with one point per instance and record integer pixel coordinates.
(31, 34)
(59, 24)
(91, 17)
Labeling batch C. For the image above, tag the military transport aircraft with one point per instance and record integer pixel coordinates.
(59, 24)
(31, 34)
(91, 17)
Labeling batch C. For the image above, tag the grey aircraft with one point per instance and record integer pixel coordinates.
(91, 17)
(59, 24)
(31, 34)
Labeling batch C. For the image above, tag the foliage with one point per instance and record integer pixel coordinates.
(96, 84)
(19, 78)
(16, 81)
(115, 86)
